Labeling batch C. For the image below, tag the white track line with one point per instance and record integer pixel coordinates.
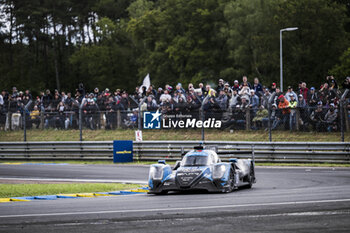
(76, 180)
(176, 209)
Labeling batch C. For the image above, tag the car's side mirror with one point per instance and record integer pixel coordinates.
(177, 165)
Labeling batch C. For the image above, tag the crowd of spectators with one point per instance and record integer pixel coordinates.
(318, 108)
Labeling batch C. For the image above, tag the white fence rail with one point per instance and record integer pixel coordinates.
(310, 152)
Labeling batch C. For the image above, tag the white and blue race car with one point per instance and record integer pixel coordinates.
(201, 169)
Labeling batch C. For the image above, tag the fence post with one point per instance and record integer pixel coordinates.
(202, 112)
(140, 115)
(272, 97)
(297, 118)
(347, 120)
(80, 120)
(42, 119)
(342, 113)
(247, 118)
(118, 119)
(24, 120)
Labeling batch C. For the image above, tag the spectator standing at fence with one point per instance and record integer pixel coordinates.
(257, 87)
(317, 118)
(235, 100)
(304, 111)
(35, 117)
(222, 100)
(265, 98)
(124, 101)
(289, 93)
(277, 116)
(312, 98)
(324, 93)
(331, 119)
(245, 91)
(46, 99)
(254, 102)
(284, 106)
(304, 90)
(151, 104)
(261, 114)
(165, 97)
(292, 117)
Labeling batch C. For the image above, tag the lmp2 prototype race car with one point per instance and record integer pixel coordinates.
(201, 169)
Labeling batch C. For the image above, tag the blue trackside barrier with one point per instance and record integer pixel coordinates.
(24, 198)
(63, 196)
(128, 192)
(46, 197)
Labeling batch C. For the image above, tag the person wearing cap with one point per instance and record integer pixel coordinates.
(317, 118)
(265, 98)
(312, 97)
(289, 93)
(331, 118)
(284, 107)
(235, 99)
(236, 86)
(273, 88)
(292, 117)
(227, 89)
(220, 85)
(222, 100)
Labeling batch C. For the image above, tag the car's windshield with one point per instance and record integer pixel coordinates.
(195, 160)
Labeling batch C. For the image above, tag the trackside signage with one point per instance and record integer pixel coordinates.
(155, 120)
(122, 151)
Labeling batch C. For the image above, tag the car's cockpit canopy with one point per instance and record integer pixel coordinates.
(200, 158)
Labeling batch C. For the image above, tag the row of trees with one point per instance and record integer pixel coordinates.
(115, 43)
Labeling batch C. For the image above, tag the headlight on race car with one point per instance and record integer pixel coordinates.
(156, 172)
(219, 171)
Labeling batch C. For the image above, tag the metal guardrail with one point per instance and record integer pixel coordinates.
(334, 152)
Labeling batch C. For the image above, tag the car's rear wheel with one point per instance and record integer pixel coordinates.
(251, 177)
(231, 181)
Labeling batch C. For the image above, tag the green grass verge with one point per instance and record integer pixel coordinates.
(21, 190)
(183, 134)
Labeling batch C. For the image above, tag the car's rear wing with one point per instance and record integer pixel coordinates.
(215, 148)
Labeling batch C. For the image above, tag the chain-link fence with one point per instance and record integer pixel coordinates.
(318, 118)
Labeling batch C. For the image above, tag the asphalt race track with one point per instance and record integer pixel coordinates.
(282, 200)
